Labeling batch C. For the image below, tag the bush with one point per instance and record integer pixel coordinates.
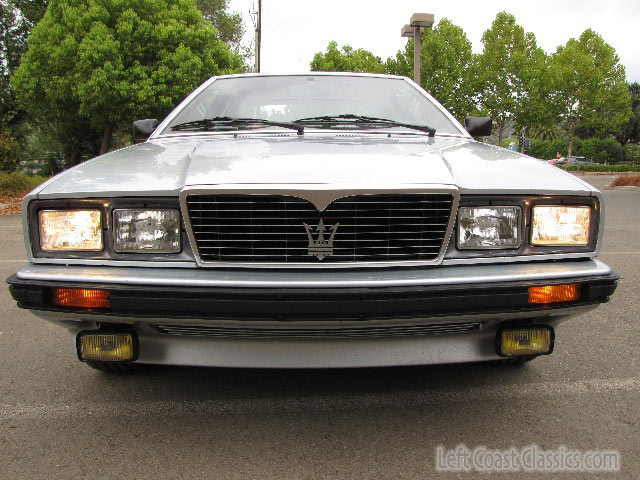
(16, 183)
(9, 153)
(547, 149)
(632, 152)
(601, 168)
(627, 180)
(606, 150)
(43, 153)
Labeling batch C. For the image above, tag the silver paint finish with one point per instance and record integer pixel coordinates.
(260, 278)
(164, 167)
(157, 348)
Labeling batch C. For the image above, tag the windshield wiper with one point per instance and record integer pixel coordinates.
(359, 121)
(224, 124)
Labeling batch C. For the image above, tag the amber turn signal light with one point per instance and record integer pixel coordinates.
(554, 293)
(80, 297)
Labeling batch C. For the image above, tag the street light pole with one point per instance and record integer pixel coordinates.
(418, 22)
(417, 37)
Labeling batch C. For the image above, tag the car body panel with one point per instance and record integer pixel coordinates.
(321, 165)
(164, 167)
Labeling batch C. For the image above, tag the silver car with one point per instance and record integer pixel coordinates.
(312, 220)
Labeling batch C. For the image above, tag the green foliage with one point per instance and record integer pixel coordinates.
(92, 66)
(512, 71)
(601, 150)
(631, 131)
(17, 17)
(43, 153)
(9, 153)
(346, 59)
(547, 149)
(632, 153)
(447, 67)
(589, 86)
(16, 183)
(601, 168)
(228, 24)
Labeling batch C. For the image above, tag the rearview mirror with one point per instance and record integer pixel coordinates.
(143, 128)
(478, 126)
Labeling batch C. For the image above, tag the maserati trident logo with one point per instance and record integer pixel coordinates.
(321, 248)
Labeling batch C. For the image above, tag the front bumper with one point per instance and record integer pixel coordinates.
(314, 318)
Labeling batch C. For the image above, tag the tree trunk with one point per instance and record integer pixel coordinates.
(571, 130)
(500, 132)
(106, 139)
(74, 159)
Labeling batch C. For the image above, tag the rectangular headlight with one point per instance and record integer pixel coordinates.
(557, 225)
(150, 231)
(70, 230)
(488, 227)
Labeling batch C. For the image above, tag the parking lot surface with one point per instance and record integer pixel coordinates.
(61, 419)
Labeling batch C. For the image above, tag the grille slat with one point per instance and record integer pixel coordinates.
(270, 228)
(317, 332)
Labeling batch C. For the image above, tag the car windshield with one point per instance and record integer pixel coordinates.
(290, 98)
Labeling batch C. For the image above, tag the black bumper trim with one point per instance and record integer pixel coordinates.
(313, 303)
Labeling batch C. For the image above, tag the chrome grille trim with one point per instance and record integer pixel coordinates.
(351, 331)
(317, 200)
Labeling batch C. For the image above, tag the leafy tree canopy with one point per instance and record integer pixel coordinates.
(346, 59)
(510, 70)
(589, 86)
(631, 131)
(17, 18)
(92, 65)
(229, 24)
(447, 67)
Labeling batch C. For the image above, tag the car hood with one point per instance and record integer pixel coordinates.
(165, 166)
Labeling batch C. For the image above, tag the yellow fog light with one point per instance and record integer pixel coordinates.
(515, 342)
(106, 347)
(554, 293)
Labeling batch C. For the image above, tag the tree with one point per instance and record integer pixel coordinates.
(511, 69)
(346, 59)
(94, 65)
(17, 18)
(229, 24)
(631, 131)
(447, 67)
(589, 86)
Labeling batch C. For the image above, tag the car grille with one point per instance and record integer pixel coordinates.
(276, 228)
(317, 332)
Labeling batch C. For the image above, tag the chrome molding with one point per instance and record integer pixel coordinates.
(320, 196)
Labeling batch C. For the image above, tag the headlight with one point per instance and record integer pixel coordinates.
(69, 230)
(557, 225)
(141, 230)
(488, 227)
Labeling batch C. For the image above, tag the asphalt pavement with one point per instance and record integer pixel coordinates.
(61, 419)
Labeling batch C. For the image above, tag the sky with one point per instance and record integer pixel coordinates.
(294, 30)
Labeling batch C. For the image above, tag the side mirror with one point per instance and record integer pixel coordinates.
(143, 128)
(478, 126)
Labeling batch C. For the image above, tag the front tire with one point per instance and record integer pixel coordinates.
(515, 360)
(116, 367)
